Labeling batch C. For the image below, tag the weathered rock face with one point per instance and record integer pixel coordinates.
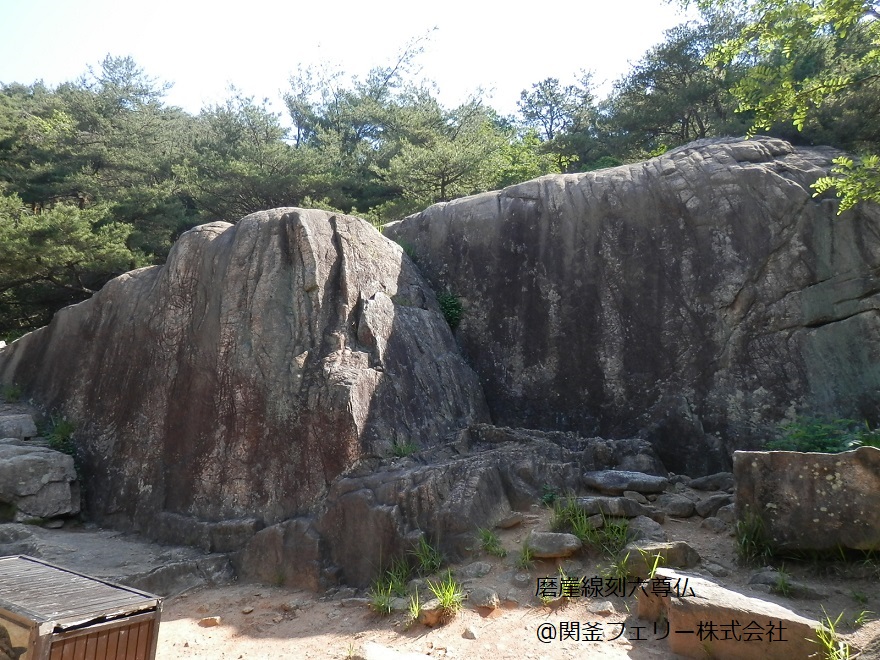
(810, 501)
(378, 511)
(240, 378)
(696, 298)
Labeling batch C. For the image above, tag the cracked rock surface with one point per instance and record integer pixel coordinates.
(696, 298)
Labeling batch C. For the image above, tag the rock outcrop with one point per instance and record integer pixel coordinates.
(811, 501)
(697, 298)
(36, 482)
(229, 387)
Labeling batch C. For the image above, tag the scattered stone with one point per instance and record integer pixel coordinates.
(345, 592)
(710, 505)
(399, 604)
(601, 607)
(675, 505)
(673, 554)
(209, 621)
(711, 602)
(522, 579)
(635, 496)
(514, 519)
(470, 633)
(619, 507)
(715, 525)
(432, 613)
(549, 545)
(717, 481)
(484, 597)
(715, 569)
(476, 570)
(679, 479)
(247, 610)
(727, 513)
(643, 528)
(55, 523)
(811, 501)
(355, 602)
(615, 482)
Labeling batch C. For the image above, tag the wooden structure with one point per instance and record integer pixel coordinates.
(52, 613)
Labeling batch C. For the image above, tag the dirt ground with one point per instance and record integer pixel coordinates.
(257, 621)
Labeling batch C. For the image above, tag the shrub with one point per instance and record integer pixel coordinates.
(825, 436)
(490, 543)
(427, 556)
(450, 305)
(449, 593)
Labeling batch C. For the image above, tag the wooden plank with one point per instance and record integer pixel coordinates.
(101, 644)
(112, 643)
(67, 648)
(91, 646)
(145, 634)
(79, 648)
(56, 652)
(122, 648)
(133, 634)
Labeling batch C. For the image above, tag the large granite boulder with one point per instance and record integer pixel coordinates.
(697, 298)
(810, 501)
(36, 482)
(240, 378)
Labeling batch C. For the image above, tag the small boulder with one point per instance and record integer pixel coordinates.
(615, 482)
(642, 528)
(618, 507)
(484, 597)
(717, 481)
(673, 554)
(549, 545)
(715, 525)
(710, 505)
(476, 570)
(675, 505)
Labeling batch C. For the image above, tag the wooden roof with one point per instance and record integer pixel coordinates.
(42, 592)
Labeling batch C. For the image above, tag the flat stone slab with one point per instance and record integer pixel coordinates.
(640, 556)
(707, 620)
(615, 482)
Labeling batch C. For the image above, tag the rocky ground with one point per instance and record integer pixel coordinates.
(257, 621)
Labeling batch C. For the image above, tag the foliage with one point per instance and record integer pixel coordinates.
(828, 639)
(526, 559)
(427, 556)
(415, 608)
(548, 495)
(381, 596)
(844, 39)
(60, 435)
(827, 436)
(672, 96)
(403, 449)
(490, 543)
(12, 393)
(449, 593)
(752, 545)
(783, 583)
(397, 576)
(618, 567)
(451, 307)
(59, 255)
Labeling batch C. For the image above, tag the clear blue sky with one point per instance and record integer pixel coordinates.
(202, 47)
